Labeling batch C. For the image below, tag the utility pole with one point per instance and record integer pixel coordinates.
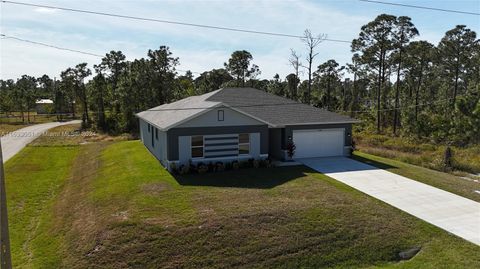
(5, 258)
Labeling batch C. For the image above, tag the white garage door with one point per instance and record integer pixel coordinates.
(318, 143)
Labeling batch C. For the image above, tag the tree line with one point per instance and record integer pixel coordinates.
(394, 83)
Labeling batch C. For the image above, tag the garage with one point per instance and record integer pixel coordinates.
(318, 142)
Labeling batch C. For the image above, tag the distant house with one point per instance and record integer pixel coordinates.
(44, 106)
(241, 123)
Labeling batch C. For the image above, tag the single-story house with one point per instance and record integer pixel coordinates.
(241, 123)
(44, 106)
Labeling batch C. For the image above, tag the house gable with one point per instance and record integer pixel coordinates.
(220, 117)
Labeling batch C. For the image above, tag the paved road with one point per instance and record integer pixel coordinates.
(16, 141)
(453, 213)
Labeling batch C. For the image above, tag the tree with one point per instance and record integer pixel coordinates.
(292, 84)
(211, 80)
(97, 89)
(404, 30)
(353, 68)
(162, 73)
(112, 67)
(80, 72)
(45, 89)
(455, 52)
(375, 43)
(418, 60)
(7, 103)
(330, 72)
(253, 73)
(296, 64)
(276, 86)
(311, 42)
(25, 95)
(239, 66)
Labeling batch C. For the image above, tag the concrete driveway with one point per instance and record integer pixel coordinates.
(13, 142)
(453, 213)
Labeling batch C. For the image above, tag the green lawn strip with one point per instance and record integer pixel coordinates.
(289, 217)
(34, 177)
(127, 173)
(434, 178)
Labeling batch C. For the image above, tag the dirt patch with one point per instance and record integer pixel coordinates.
(156, 188)
(75, 213)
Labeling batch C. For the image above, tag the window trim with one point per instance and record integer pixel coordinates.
(243, 144)
(202, 146)
(220, 115)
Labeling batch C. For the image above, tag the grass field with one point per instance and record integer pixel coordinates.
(111, 205)
(465, 159)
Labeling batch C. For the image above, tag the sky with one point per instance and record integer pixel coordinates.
(202, 49)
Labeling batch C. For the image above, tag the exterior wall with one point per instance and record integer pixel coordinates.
(210, 119)
(179, 143)
(159, 146)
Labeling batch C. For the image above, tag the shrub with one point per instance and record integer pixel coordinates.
(202, 169)
(228, 166)
(291, 149)
(173, 168)
(184, 169)
(235, 165)
(211, 167)
(244, 164)
(220, 167)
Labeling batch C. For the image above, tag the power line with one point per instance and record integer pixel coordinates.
(422, 7)
(223, 28)
(50, 46)
(3, 36)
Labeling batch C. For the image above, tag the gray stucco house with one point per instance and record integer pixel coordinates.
(241, 123)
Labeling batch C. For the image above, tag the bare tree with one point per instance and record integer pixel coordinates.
(311, 42)
(296, 64)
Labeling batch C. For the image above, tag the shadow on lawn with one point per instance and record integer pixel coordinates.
(372, 162)
(260, 178)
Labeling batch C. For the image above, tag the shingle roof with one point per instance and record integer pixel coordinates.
(274, 110)
(169, 115)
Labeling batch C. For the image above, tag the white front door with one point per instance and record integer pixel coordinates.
(319, 143)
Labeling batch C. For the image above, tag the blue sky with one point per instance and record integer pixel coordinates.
(202, 49)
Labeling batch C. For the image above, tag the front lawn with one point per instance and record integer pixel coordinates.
(445, 181)
(121, 209)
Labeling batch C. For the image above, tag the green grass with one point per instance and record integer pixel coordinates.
(34, 177)
(465, 159)
(120, 209)
(434, 178)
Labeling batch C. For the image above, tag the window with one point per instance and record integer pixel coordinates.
(156, 133)
(197, 146)
(221, 115)
(243, 144)
(148, 124)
